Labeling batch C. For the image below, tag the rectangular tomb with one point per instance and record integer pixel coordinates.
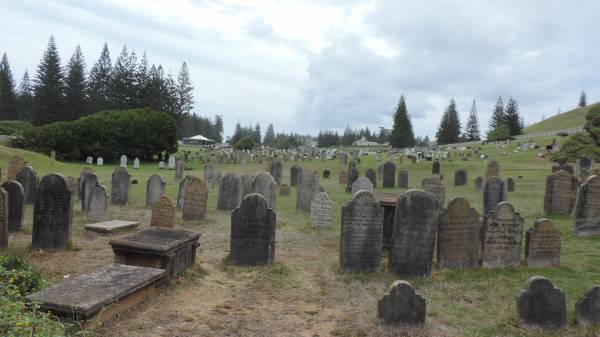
(97, 296)
(157, 247)
(388, 202)
(111, 227)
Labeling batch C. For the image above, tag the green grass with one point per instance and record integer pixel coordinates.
(570, 119)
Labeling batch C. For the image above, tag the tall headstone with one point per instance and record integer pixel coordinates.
(460, 178)
(85, 171)
(362, 184)
(16, 204)
(155, 188)
(52, 214)
(230, 192)
(123, 161)
(587, 309)
(372, 176)
(321, 211)
(389, 175)
(436, 187)
(195, 200)
(587, 210)
(415, 227)
(4, 227)
(502, 236)
(88, 181)
(435, 167)
(179, 167)
(97, 205)
(15, 164)
(542, 245)
(253, 226)
(247, 181)
(121, 182)
(136, 163)
(163, 213)
(541, 306)
(276, 171)
(403, 179)
(29, 180)
(494, 191)
(308, 187)
(380, 172)
(171, 163)
(561, 191)
(361, 234)
(403, 306)
(458, 235)
(266, 186)
(493, 169)
(294, 174)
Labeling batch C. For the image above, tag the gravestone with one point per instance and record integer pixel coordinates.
(494, 191)
(308, 187)
(458, 235)
(266, 186)
(510, 185)
(541, 306)
(87, 182)
(326, 174)
(284, 190)
(230, 192)
(361, 234)
(209, 173)
(171, 162)
(587, 309)
(111, 226)
(352, 175)
(362, 184)
(402, 306)
(435, 167)
(585, 164)
(27, 177)
(502, 234)
(52, 214)
(16, 204)
(542, 245)
(343, 177)
(561, 190)
(294, 174)
(97, 204)
(372, 176)
(53, 155)
(89, 160)
(415, 227)
(123, 161)
(403, 179)
(253, 227)
(479, 184)
(181, 192)
(121, 181)
(179, 167)
(587, 210)
(460, 178)
(389, 175)
(436, 187)
(163, 213)
(161, 165)
(493, 169)
(380, 172)
(15, 164)
(276, 171)
(100, 161)
(196, 198)
(321, 211)
(155, 188)
(136, 163)
(247, 181)
(4, 225)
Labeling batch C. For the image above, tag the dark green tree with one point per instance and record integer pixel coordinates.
(269, 135)
(449, 130)
(257, 134)
(49, 88)
(76, 87)
(142, 81)
(154, 96)
(237, 134)
(402, 132)
(9, 108)
(512, 117)
(472, 127)
(217, 134)
(185, 92)
(25, 97)
(123, 81)
(170, 99)
(99, 83)
(348, 137)
(498, 117)
(582, 99)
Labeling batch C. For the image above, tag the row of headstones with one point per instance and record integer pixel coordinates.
(540, 306)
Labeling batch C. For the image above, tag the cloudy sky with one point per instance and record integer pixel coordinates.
(311, 65)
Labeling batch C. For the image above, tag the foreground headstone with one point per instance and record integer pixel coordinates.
(503, 231)
(587, 210)
(460, 178)
(308, 187)
(4, 228)
(16, 204)
(155, 188)
(29, 180)
(389, 175)
(403, 179)
(276, 171)
(362, 184)
(402, 306)
(97, 206)
(458, 235)
(494, 192)
(52, 214)
(436, 187)
(493, 169)
(230, 192)
(587, 309)
(253, 226)
(361, 234)
(196, 198)
(163, 213)
(542, 245)
(121, 182)
(15, 164)
(415, 227)
(541, 306)
(321, 211)
(265, 185)
(561, 190)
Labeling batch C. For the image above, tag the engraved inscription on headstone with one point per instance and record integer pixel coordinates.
(541, 306)
(97, 206)
(402, 306)
(458, 235)
(502, 236)
(230, 192)
(561, 190)
(121, 182)
(196, 197)
(155, 188)
(321, 211)
(163, 213)
(266, 186)
(542, 245)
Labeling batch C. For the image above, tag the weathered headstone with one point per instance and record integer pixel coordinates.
(308, 187)
(362, 184)
(230, 192)
(542, 245)
(460, 178)
(88, 181)
(4, 226)
(100, 161)
(136, 163)
(479, 184)
(121, 182)
(436, 187)
(171, 162)
(89, 160)
(585, 164)
(276, 171)
(343, 177)
(541, 306)
(458, 235)
(195, 200)
(372, 176)
(161, 165)
(380, 172)
(402, 306)
(179, 167)
(15, 164)
(253, 227)
(587, 309)
(181, 192)
(163, 213)
(415, 227)
(389, 175)
(510, 185)
(123, 161)
(587, 211)
(494, 191)
(321, 211)
(352, 175)
(403, 179)
(155, 188)
(16, 204)
(493, 169)
(361, 234)
(52, 214)
(560, 194)
(247, 181)
(435, 167)
(502, 236)
(209, 173)
(294, 174)
(266, 186)
(29, 180)
(97, 204)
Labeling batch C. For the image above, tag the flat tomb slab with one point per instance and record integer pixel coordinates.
(386, 198)
(101, 294)
(112, 226)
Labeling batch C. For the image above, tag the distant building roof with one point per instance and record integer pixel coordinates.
(199, 137)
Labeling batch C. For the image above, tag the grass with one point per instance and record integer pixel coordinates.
(570, 119)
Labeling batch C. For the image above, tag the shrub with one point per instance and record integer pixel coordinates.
(502, 132)
(140, 133)
(11, 127)
(592, 126)
(245, 143)
(577, 146)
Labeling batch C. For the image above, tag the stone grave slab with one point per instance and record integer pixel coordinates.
(111, 227)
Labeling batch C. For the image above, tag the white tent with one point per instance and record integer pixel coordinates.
(198, 140)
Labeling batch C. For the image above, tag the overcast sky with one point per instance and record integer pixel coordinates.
(311, 65)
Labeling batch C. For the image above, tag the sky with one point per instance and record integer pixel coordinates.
(311, 65)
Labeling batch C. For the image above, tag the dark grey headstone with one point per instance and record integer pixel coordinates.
(541, 306)
(494, 192)
(29, 180)
(460, 178)
(389, 175)
(16, 204)
(560, 194)
(276, 171)
(510, 185)
(97, 206)
(308, 187)
(156, 187)
(403, 306)
(372, 176)
(585, 164)
(230, 192)
(52, 214)
(352, 175)
(326, 174)
(435, 167)
(121, 182)
(294, 174)
(587, 309)
(179, 168)
(266, 186)
(458, 235)
(253, 227)
(502, 235)
(403, 179)
(587, 210)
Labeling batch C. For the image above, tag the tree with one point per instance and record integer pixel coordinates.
(237, 134)
(169, 96)
(25, 97)
(257, 134)
(154, 88)
(123, 81)
(8, 98)
(142, 80)
(502, 132)
(449, 130)
(76, 87)
(402, 132)
(498, 117)
(582, 99)
(348, 137)
(49, 89)
(269, 135)
(217, 134)
(472, 128)
(99, 83)
(512, 119)
(185, 93)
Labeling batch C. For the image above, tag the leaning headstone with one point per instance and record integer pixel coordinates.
(294, 174)
(403, 306)
(253, 226)
(561, 190)
(266, 186)
(510, 185)
(389, 175)
(493, 169)
(343, 177)
(196, 198)
(155, 188)
(247, 181)
(100, 161)
(479, 184)
(29, 180)
(163, 213)
(321, 211)
(372, 176)
(542, 245)
(15, 164)
(308, 187)
(415, 227)
(97, 205)
(541, 306)
(361, 234)
(362, 184)
(89, 160)
(276, 171)
(181, 192)
(230, 192)
(4, 227)
(123, 161)
(87, 183)
(458, 235)
(136, 163)
(460, 178)
(171, 163)
(587, 309)
(494, 191)
(121, 181)
(16, 204)
(179, 167)
(587, 210)
(403, 179)
(435, 167)
(502, 236)
(52, 214)
(436, 187)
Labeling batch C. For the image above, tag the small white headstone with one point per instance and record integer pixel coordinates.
(99, 161)
(123, 161)
(136, 163)
(161, 164)
(171, 162)
(89, 160)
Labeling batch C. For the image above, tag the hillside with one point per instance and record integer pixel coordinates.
(570, 119)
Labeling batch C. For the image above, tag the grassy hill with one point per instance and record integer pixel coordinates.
(570, 119)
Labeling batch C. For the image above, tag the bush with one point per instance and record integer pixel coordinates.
(140, 133)
(11, 127)
(245, 143)
(502, 132)
(576, 147)
(592, 126)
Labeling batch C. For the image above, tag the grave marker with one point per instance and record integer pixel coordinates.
(542, 245)
(321, 211)
(502, 235)
(163, 213)
(541, 306)
(253, 227)
(52, 214)
(458, 235)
